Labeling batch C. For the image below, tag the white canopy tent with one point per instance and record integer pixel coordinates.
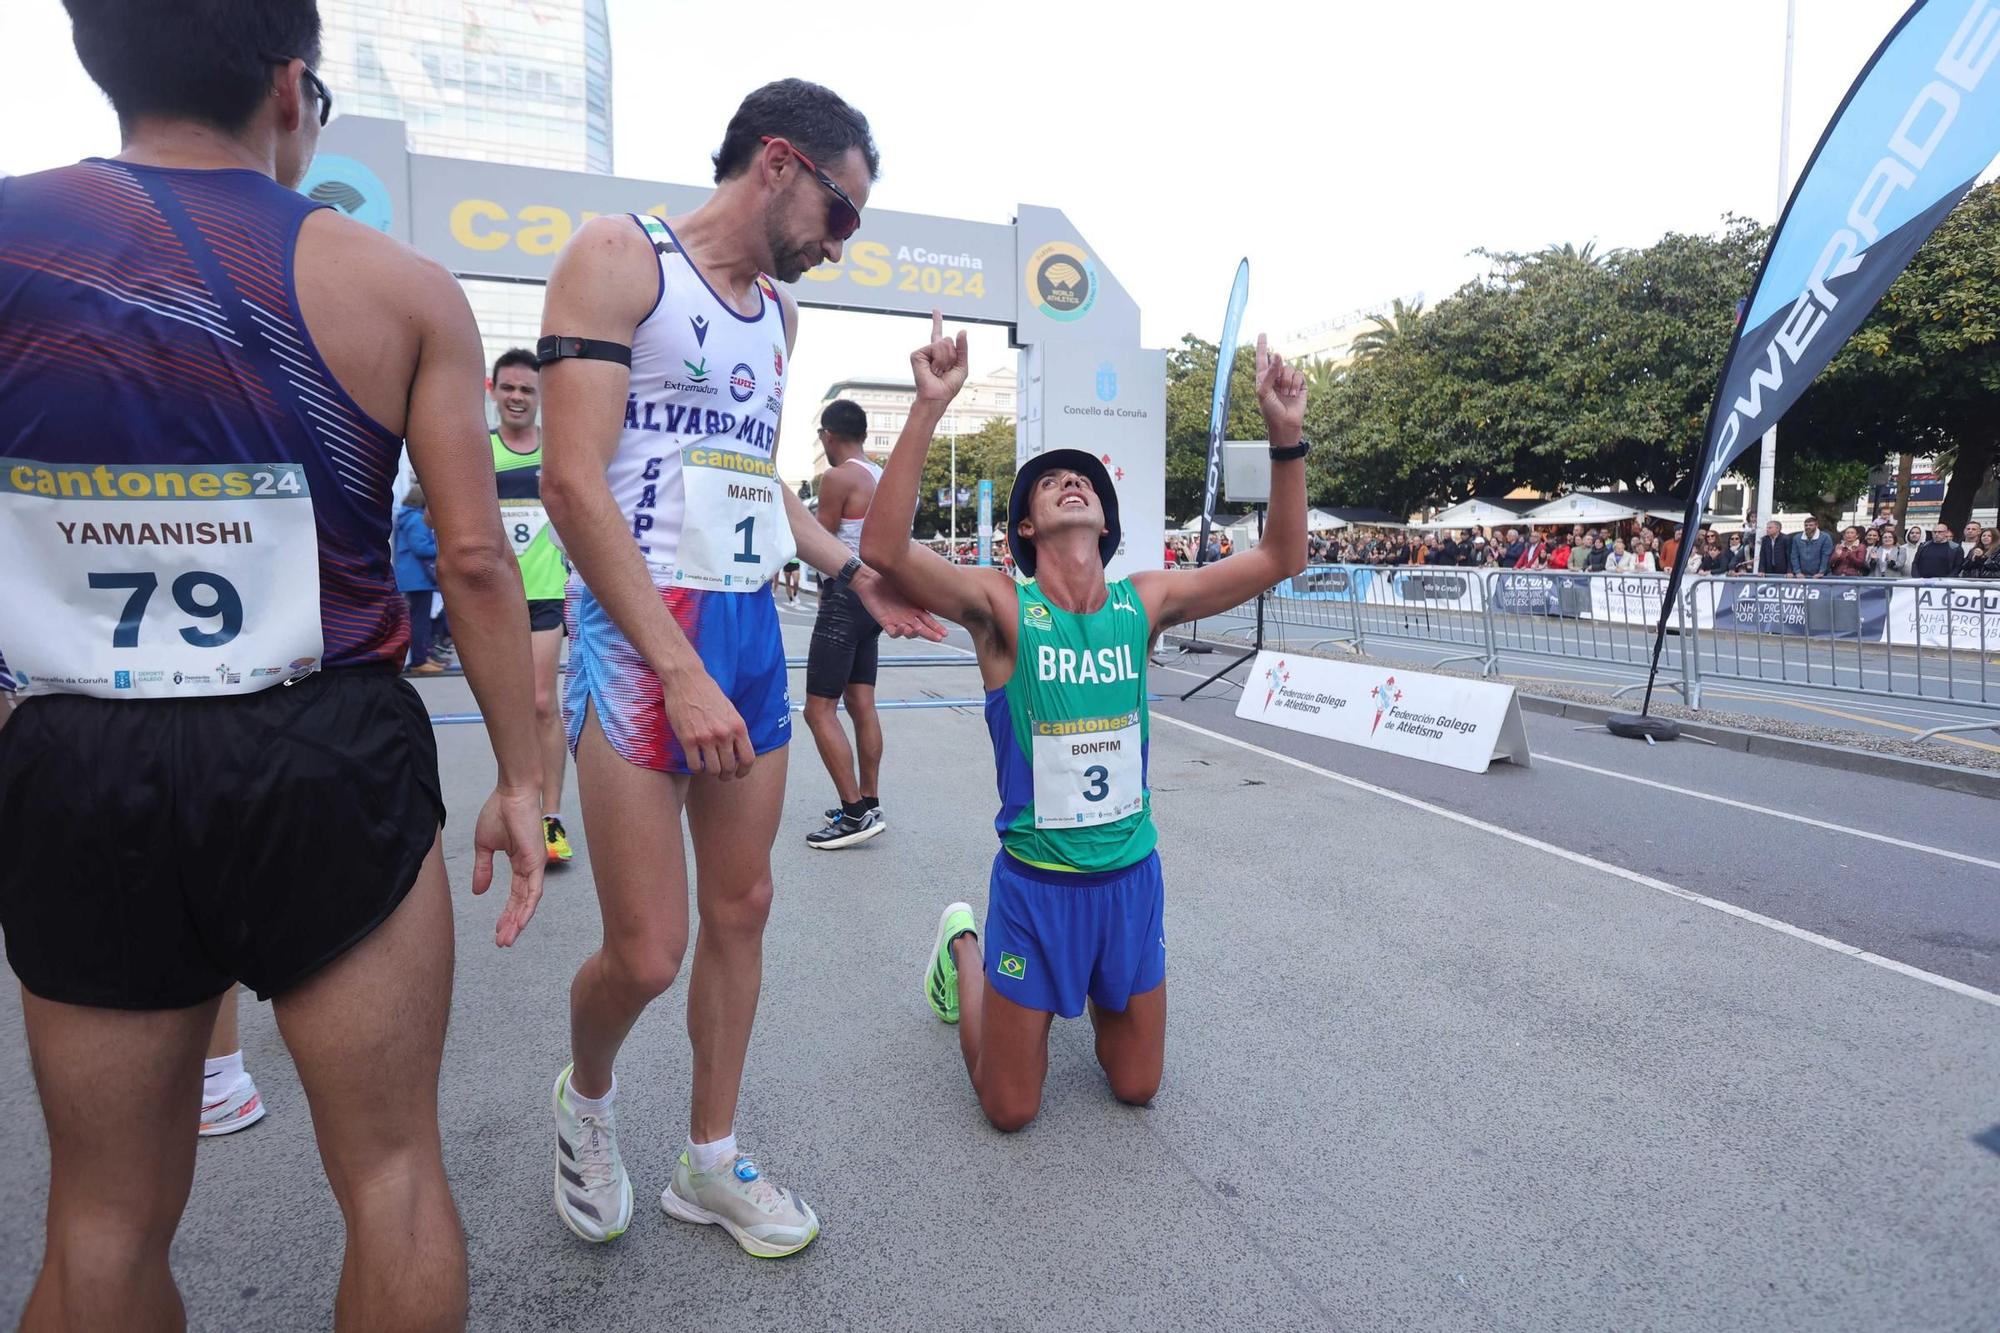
(1477, 512)
(1601, 507)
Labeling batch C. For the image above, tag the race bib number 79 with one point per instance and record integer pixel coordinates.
(157, 581)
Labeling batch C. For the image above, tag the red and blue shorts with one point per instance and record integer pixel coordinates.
(735, 634)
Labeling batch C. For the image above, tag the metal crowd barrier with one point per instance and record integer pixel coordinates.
(1906, 638)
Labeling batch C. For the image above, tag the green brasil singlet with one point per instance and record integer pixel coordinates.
(543, 572)
(1070, 734)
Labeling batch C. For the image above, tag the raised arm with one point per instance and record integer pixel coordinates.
(975, 598)
(818, 547)
(1175, 596)
(481, 581)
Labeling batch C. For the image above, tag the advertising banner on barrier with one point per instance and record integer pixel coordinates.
(1443, 589)
(1521, 593)
(1962, 618)
(1464, 724)
(1328, 583)
(1819, 609)
(1628, 599)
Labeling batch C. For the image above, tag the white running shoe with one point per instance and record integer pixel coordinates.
(767, 1220)
(593, 1193)
(238, 1109)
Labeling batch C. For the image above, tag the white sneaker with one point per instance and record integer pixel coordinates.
(767, 1220)
(238, 1109)
(593, 1193)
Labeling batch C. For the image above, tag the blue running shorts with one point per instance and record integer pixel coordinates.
(1053, 937)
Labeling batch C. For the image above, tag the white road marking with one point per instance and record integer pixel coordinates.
(1578, 858)
(1775, 814)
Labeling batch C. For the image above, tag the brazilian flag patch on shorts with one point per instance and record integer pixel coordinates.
(1013, 965)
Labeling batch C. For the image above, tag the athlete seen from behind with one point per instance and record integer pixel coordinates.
(841, 663)
(207, 379)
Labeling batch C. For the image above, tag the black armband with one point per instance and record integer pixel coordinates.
(555, 348)
(1288, 454)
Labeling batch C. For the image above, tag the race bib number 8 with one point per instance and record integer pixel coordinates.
(523, 521)
(158, 581)
(735, 535)
(1089, 771)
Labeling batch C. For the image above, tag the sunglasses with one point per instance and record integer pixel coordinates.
(319, 89)
(843, 219)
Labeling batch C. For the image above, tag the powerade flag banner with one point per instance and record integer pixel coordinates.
(1911, 138)
(1218, 405)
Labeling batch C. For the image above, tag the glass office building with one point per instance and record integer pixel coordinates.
(520, 81)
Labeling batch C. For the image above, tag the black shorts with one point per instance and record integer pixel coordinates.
(165, 848)
(545, 613)
(844, 642)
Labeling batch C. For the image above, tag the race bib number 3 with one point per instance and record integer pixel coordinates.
(735, 534)
(1089, 771)
(158, 581)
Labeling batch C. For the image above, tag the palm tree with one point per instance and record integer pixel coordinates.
(1584, 254)
(1400, 322)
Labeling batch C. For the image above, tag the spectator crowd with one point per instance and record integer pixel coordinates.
(1635, 547)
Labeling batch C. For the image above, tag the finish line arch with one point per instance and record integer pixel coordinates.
(1084, 380)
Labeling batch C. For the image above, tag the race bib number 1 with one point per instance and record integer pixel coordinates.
(1089, 771)
(155, 582)
(735, 535)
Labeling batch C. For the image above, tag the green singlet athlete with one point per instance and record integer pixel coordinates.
(1074, 910)
(517, 466)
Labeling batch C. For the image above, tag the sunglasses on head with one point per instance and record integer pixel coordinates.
(843, 219)
(319, 89)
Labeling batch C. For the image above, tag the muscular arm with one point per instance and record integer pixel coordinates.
(445, 430)
(834, 488)
(476, 569)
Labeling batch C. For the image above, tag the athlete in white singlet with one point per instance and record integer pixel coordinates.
(842, 660)
(661, 481)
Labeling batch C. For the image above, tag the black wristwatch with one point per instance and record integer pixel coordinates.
(847, 571)
(1287, 455)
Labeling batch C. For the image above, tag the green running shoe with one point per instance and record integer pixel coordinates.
(941, 973)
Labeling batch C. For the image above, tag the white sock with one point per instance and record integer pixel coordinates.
(553, 814)
(705, 1157)
(225, 1072)
(599, 1107)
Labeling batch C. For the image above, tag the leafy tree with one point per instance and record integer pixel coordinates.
(1190, 392)
(1922, 375)
(987, 453)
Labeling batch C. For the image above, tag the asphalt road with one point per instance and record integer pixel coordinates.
(1420, 1074)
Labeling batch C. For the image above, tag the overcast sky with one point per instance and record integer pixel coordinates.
(1354, 151)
